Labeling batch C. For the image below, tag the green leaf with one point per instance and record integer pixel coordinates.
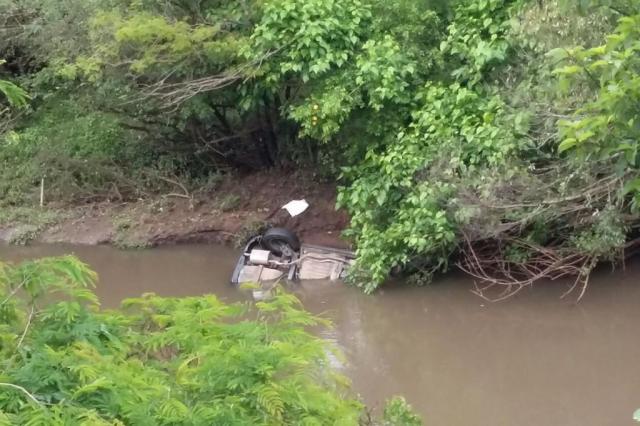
(631, 186)
(557, 54)
(567, 144)
(16, 96)
(568, 70)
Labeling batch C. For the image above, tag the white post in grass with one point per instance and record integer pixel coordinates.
(42, 193)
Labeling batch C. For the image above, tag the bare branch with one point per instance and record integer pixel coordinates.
(26, 328)
(23, 390)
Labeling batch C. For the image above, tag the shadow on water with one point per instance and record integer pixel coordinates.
(532, 360)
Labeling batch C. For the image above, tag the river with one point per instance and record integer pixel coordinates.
(532, 360)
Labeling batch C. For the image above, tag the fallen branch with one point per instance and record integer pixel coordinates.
(185, 194)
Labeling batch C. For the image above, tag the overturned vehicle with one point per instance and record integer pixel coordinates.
(278, 254)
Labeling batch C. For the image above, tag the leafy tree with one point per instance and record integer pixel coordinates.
(400, 194)
(399, 198)
(477, 37)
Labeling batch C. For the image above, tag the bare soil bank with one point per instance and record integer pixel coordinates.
(237, 208)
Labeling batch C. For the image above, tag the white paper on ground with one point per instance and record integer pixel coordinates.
(296, 207)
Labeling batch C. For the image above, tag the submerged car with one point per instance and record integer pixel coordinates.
(278, 254)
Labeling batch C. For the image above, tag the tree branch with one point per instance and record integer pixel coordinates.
(23, 390)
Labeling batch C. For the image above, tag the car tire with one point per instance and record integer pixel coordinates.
(275, 239)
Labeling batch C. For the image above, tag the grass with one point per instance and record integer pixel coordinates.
(125, 238)
(250, 229)
(28, 222)
(127, 242)
(229, 202)
(28, 215)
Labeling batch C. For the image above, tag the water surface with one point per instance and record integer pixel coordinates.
(532, 360)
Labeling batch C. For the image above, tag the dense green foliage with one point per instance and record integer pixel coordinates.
(162, 361)
(605, 127)
(497, 167)
(13, 94)
(451, 126)
(11, 97)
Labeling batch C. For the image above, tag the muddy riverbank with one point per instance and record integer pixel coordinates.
(236, 208)
(533, 360)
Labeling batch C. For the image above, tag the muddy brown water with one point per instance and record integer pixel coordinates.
(533, 360)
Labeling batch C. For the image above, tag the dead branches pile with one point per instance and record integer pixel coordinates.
(518, 238)
(502, 276)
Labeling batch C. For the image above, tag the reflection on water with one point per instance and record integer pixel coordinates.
(533, 360)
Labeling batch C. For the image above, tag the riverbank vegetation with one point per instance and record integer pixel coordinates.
(498, 135)
(164, 361)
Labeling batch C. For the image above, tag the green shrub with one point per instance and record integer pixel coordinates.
(82, 154)
(399, 198)
(156, 361)
(605, 128)
(398, 412)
